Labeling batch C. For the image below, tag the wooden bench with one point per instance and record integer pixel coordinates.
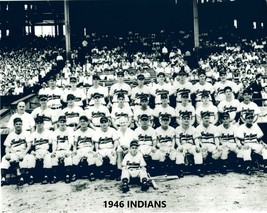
(3, 112)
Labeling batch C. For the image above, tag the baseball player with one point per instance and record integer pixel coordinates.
(228, 141)
(83, 149)
(231, 105)
(185, 106)
(47, 113)
(62, 142)
(106, 142)
(165, 144)
(187, 142)
(27, 119)
(72, 112)
(206, 106)
(133, 165)
(16, 156)
(209, 141)
(250, 136)
(42, 143)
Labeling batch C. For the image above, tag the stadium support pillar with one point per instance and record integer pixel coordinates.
(67, 29)
(196, 27)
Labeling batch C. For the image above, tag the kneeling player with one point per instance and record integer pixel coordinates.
(187, 143)
(133, 165)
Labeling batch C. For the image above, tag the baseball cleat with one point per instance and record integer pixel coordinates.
(265, 169)
(248, 170)
(91, 177)
(67, 179)
(125, 188)
(3, 181)
(45, 180)
(31, 181)
(73, 178)
(54, 180)
(144, 186)
(20, 181)
(200, 173)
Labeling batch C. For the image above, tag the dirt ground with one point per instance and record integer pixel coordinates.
(213, 193)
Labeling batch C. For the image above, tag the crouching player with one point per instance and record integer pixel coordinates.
(42, 143)
(209, 141)
(165, 143)
(187, 143)
(133, 165)
(250, 136)
(228, 141)
(83, 150)
(106, 142)
(16, 157)
(62, 143)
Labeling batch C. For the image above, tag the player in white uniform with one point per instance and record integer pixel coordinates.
(47, 113)
(62, 142)
(106, 143)
(16, 156)
(165, 144)
(187, 142)
(209, 141)
(206, 106)
(185, 106)
(250, 136)
(133, 165)
(228, 142)
(83, 150)
(140, 90)
(42, 143)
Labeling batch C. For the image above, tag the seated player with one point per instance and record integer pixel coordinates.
(106, 143)
(250, 136)
(16, 153)
(83, 150)
(228, 141)
(209, 141)
(187, 143)
(133, 165)
(62, 142)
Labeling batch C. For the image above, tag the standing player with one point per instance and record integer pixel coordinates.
(133, 165)
(83, 149)
(62, 142)
(42, 143)
(250, 136)
(106, 143)
(209, 141)
(187, 142)
(140, 90)
(228, 141)
(17, 147)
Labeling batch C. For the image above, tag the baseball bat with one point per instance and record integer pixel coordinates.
(165, 177)
(154, 184)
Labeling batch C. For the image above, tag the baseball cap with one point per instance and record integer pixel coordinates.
(223, 72)
(164, 96)
(201, 71)
(161, 73)
(120, 95)
(96, 95)
(62, 118)
(134, 143)
(52, 77)
(227, 88)
(165, 117)
(205, 114)
(73, 79)
(120, 73)
(96, 77)
(141, 77)
(182, 72)
(205, 94)
(184, 95)
(103, 119)
(70, 97)
(144, 117)
(143, 98)
(185, 114)
(247, 91)
(17, 120)
(39, 119)
(42, 97)
(83, 117)
(225, 115)
(249, 115)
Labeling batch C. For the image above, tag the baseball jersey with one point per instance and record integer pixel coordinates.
(117, 112)
(84, 138)
(180, 109)
(48, 115)
(137, 92)
(17, 142)
(213, 111)
(219, 89)
(41, 140)
(117, 88)
(138, 111)
(227, 135)
(94, 113)
(145, 137)
(133, 162)
(179, 88)
(207, 135)
(106, 139)
(157, 90)
(186, 135)
(27, 121)
(250, 135)
(63, 140)
(165, 136)
(198, 89)
(251, 107)
(232, 107)
(54, 96)
(72, 114)
(99, 89)
(78, 93)
(159, 110)
(126, 137)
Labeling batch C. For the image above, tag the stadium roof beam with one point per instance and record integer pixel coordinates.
(67, 28)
